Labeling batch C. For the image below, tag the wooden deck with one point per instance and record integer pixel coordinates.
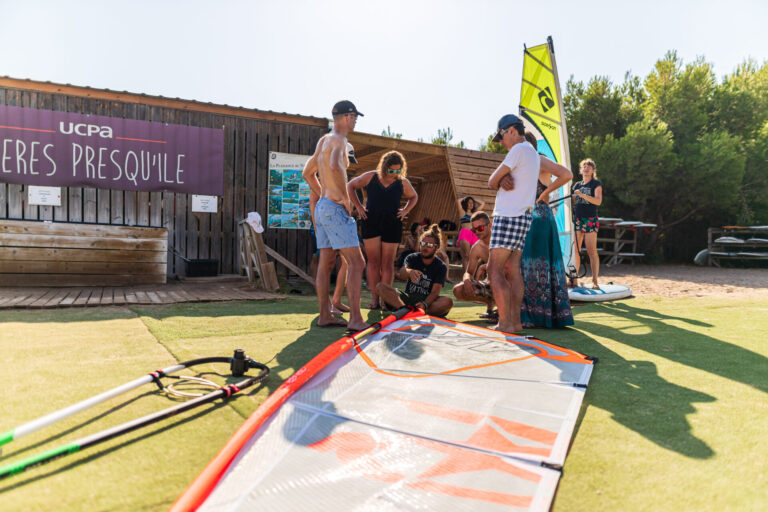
(171, 293)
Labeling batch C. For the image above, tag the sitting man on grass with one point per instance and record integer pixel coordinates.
(474, 287)
(424, 275)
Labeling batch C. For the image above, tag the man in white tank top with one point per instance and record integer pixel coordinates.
(515, 179)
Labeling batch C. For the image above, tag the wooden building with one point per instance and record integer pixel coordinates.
(440, 174)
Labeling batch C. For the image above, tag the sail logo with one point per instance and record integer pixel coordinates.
(546, 100)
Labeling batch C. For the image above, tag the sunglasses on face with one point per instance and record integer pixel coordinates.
(479, 229)
(394, 171)
(428, 244)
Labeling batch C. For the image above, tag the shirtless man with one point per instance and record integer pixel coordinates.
(326, 174)
(473, 288)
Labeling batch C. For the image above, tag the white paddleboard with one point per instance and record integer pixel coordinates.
(606, 292)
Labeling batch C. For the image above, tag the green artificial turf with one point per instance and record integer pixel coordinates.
(674, 418)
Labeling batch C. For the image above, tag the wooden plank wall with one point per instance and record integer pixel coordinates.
(193, 235)
(470, 171)
(67, 254)
(437, 201)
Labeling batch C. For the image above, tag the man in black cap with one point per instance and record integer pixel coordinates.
(326, 174)
(515, 181)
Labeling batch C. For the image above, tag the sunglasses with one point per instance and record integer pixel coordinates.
(394, 171)
(479, 229)
(428, 244)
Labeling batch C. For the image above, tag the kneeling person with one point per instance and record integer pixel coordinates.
(424, 275)
(473, 288)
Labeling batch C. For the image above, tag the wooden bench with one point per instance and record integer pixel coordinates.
(64, 254)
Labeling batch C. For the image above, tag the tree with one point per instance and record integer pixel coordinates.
(493, 147)
(444, 138)
(389, 133)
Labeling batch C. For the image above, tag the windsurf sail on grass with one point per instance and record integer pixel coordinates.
(541, 107)
(422, 413)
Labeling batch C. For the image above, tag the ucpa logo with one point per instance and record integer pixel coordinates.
(545, 97)
(86, 130)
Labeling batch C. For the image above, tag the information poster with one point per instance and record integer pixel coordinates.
(288, 192)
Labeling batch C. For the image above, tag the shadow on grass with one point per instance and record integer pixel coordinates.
(36, 477)
(683, 346)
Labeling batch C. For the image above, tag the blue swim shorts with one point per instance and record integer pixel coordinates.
(335, 228)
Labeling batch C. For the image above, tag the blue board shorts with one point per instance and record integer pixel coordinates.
(335, 228)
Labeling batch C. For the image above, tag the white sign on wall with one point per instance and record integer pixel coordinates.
(206, 204)
(45, 196)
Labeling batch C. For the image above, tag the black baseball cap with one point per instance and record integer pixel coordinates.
(345, 107)
(505, 122)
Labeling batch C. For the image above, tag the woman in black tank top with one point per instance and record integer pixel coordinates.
(382, 216)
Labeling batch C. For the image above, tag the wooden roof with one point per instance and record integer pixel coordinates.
(464, 171)
(158, 101)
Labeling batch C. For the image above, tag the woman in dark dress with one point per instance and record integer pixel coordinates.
(382, 216)
(545, 293)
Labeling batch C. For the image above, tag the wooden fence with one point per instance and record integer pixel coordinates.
(249, 136)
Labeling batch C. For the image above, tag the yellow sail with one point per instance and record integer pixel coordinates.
(541, 106)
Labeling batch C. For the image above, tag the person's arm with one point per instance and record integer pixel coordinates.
(471, 266)
(310, 172)
(411, 274)
(434, 294)
(410, 194)
(561, 172)
(480, 207)
(495, 179)
(596, 200)
(361, 181)
(337, 160)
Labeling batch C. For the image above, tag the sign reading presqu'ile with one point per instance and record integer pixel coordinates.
(48, 148)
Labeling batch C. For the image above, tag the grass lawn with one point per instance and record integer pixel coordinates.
(674, 419)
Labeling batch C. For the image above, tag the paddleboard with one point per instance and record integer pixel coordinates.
(606, 292)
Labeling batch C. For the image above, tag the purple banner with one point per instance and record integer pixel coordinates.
(47, 148)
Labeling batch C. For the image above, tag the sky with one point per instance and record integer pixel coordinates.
(412, 65)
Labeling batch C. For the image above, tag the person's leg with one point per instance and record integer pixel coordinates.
(389, 295)
(341, 283)
(388, 251)
(355, 262)
(469, 294)
(577, 256)
(323, 285)
(373, 268)
(515, 279)
(464, 249)
(594, 261)
(500, 287)
(440, 307)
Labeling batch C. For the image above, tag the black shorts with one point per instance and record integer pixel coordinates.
(388, 227)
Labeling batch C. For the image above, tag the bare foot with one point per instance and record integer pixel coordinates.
(331, 322)
(357, 327)
(338, 308)
(509, 328)
(595, 286)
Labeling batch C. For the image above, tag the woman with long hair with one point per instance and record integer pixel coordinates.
(382, 216)
(587, 196)
(545, 295)
(467, 238)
